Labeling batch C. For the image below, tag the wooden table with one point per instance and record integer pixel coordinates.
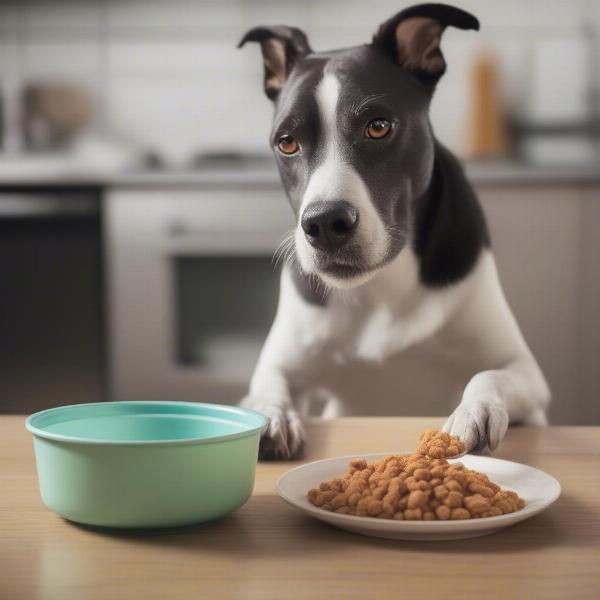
(269, 550)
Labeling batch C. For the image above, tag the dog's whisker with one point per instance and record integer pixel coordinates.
(282, 249)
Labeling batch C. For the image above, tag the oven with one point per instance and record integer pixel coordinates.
(52, 347)
(193, 287)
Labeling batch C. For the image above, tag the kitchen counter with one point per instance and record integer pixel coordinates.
(267, 549)
(56, 171)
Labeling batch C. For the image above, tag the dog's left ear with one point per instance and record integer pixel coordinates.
(281, 47)
(412, 38)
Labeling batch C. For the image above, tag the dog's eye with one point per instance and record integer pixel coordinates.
(288, 145)
(378, 128)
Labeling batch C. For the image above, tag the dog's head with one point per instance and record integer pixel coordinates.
(352, 137)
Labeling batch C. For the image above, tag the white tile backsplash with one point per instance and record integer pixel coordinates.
(174, 15)
(176, 58)
(61, 60)
(558, 90)
(9, 60)
(62, 16)
(170, 76)
(183, 117)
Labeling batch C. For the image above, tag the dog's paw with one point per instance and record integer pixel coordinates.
(480, 425)
(284, 438)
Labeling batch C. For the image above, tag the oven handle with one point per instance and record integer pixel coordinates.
(17, 205)
(177, 228)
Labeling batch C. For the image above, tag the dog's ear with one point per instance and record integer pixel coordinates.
(412, 38)
(281, 48)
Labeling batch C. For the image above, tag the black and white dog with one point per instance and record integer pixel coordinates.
(391, 250)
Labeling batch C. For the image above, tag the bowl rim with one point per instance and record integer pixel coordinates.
(59, 437)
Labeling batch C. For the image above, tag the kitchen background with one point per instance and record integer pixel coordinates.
(139, 207)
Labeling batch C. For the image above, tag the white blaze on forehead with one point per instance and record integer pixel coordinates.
(328, 94)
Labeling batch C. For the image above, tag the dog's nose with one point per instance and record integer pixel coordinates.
(329, 225)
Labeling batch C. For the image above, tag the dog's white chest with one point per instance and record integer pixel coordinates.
(388, 314)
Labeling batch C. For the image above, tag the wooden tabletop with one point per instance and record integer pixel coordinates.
(267, 549)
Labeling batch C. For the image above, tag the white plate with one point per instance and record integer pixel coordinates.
(537, 488)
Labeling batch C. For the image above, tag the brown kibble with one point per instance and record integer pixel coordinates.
(454, 500)
(440, 492)
(379, 492)
(329, 495)
(352, 499)
(437, 472)
(453, 486)
(416, 498)
(504, 505)
(477, 504)
(415, 514)
(411, 467)
(421, 486)
(478, 488)
(339, 501)
(436, 452)
(452, 450)
(422, 474)
(358, 464)
(374, 507)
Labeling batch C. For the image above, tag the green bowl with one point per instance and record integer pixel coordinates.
(145, 464)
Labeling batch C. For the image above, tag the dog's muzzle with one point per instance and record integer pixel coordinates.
(329, 225)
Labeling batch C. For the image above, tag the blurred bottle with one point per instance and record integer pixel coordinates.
(486, 125)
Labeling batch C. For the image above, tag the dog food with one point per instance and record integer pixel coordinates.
(418, 487)
(437, 444)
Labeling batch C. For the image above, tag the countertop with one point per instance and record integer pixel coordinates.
(269, 550)
(57, 171)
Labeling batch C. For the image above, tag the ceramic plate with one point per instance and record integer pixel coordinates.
(537, 488)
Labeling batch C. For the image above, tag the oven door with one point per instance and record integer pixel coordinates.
(193, 289)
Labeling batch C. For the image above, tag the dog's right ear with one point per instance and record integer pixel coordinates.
(281, 48)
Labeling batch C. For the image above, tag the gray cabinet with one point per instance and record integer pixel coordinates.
(545, 239)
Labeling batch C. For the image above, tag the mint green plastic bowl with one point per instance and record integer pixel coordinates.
(145, 464)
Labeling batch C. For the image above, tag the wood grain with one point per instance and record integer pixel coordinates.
(268, 550)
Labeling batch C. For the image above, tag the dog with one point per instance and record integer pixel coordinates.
(390, 251)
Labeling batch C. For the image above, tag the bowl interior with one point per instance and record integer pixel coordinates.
(131, 422)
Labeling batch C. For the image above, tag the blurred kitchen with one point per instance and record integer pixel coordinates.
(140, 207)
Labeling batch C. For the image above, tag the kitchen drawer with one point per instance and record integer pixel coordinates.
(209, 221)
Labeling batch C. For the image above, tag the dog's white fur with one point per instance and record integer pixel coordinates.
(387, 311)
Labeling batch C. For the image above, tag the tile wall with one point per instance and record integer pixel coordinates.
(166, 73)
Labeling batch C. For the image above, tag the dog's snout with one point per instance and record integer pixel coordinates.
(329, 225)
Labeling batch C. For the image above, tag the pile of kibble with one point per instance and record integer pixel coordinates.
(417, 487)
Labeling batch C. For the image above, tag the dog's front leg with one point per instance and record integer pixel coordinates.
(284, 352)
(492, 399)
(269, 394)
